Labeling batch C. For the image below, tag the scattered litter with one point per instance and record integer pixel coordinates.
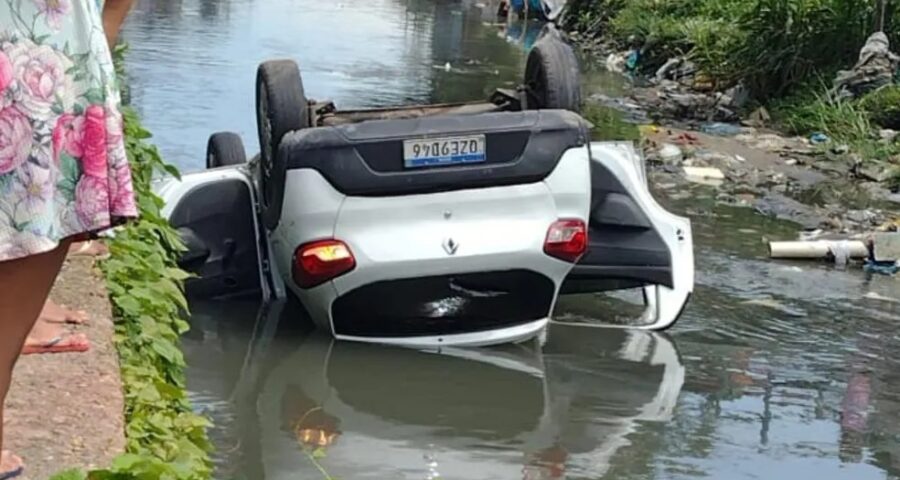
(670, 153)
(887, 135)
(875, 68)
(615, 63)
(704, 172)
(760, 117)
(740, 158)
(721, 129)
(841, 253)
(878, 296)
(632, 60)
(841, 149)
(818, 249)
(807, 235)
(648, 129)
(686, 138)
(883, 268)
(818, 138)
(747, 230)
(704, 175)
(790, 162)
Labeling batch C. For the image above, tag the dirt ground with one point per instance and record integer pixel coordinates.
(66, 410)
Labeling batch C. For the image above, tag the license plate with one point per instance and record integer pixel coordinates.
(428, 152)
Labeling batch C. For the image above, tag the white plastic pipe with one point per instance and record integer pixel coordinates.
(815, 249)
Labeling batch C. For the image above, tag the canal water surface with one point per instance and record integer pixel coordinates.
(777, 370)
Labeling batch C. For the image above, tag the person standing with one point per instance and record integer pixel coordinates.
(64, 175)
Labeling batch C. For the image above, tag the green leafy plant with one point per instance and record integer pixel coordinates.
(883, 106)
(164, 438)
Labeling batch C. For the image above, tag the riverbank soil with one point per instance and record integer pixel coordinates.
(66, 410)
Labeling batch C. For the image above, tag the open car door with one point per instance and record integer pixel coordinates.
(633, 241)
(214, 214)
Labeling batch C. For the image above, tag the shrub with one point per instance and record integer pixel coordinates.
(883, 106)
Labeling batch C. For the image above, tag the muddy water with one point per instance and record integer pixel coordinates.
(777, 370)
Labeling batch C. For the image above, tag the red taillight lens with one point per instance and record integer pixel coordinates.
(566, 240)
(318, 262)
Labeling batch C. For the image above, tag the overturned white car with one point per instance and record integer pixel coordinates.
(430, 225)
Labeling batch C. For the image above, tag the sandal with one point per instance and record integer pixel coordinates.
(76, 343)
(16, 471)
(90, 248)
(60, 314)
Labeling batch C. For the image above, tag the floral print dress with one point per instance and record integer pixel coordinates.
(63, 168)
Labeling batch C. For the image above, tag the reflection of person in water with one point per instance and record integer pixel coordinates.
(311, 425)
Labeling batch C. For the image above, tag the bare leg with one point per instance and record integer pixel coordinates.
(114, 13)
(24, 286)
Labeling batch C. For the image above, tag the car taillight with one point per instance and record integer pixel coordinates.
(318, 262)
(566, 240)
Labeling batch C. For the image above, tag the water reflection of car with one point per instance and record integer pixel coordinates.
(430, 225)
(370, 411)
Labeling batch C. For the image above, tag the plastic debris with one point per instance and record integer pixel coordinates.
(841, 252)
(721, 129)
(818, 138)
(704, 173)
(883, 268)
(887, 135)
(616, 62)
(818, 249)
(632, 59)
(874, 69)
(670, 153)
(647, 130)
(841, 149)
(686, 138)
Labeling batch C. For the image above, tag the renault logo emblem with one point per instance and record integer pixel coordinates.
(450, 246)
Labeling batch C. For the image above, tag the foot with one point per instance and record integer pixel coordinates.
(48, 338)
(66, 343)
(53, 313)
(11, 466)
(90, 248)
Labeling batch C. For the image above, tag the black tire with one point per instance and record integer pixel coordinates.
(225, 149)
(552, 76)
(281, 107)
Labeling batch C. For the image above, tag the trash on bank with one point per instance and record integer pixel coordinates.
(883, 268)
(874, 68)
(721, 129)
(705, 175)
(670, 153)
(818, 138)
(887, 135)
(819, 249)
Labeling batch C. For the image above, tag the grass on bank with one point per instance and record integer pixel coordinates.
(779, 49)
(164, 438)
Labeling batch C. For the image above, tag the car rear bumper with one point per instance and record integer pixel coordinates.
(514, 334)
(442, 306)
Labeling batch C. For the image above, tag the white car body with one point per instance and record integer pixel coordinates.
(441, 251)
